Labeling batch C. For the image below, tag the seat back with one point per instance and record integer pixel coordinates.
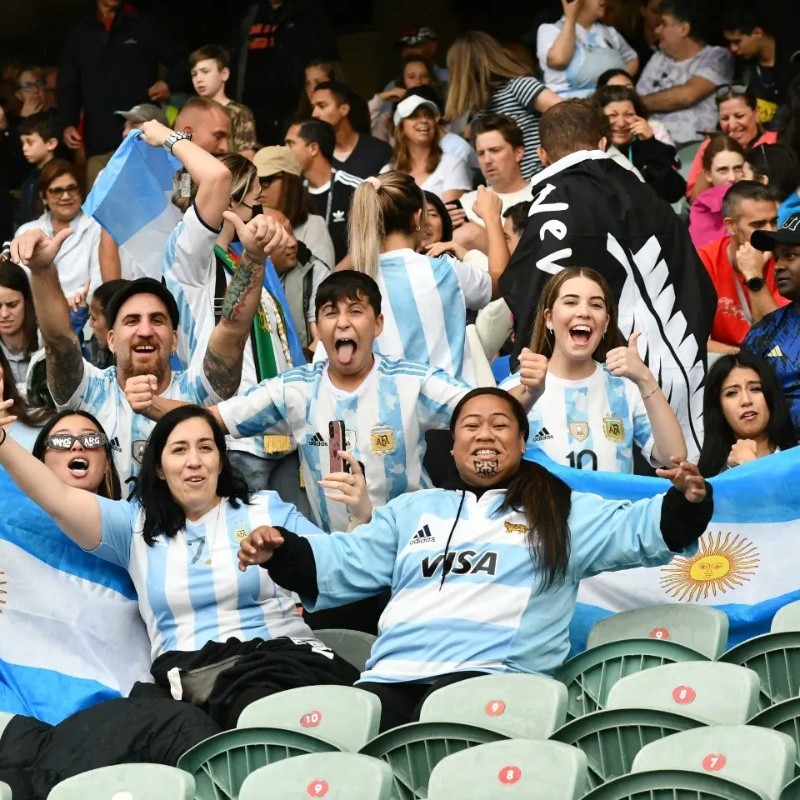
(343, 715)
(353, 646)
(756, 757)
(334, 776)
(672, 785)
(787, 618)
(714, 693)
(5, 718)
(520, 706)
(701, 628)
(5, 791)
(516, 769)
(785, 718)
(126, 782)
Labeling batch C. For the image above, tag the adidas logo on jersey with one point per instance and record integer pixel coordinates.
(542, 435)
(317, 440)
(776, 352)
(114, 444)
(423, 536)
(338, 216)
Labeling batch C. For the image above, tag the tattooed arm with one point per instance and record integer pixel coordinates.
(224, 355)
(35, 250)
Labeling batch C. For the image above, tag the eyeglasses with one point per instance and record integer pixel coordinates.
(64, 441)
(30, 86)
(58, 191)
(730, 88)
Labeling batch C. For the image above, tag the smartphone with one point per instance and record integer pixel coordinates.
(453, 205)
(336, 443)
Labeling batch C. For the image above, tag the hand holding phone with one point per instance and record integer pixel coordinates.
(336, 443)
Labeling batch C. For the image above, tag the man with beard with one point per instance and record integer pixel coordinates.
(143, 321)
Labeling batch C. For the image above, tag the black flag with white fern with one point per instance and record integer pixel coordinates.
(588, 211)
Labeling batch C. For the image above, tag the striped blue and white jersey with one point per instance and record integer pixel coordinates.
(100, 394)
(385, 421)
(591, 423)
(424, 310)
(190, 274)
(189, 586)
(489, 614)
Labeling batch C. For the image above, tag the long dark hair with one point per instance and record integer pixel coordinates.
(162, 514)
(19, 408)
(13, 277)
(110, 487)
(541, 496)
(719, 437)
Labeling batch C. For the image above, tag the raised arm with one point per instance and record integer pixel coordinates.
(75, 511)
(222, 363)
(35, 250)
(488, 207)
(560, 53)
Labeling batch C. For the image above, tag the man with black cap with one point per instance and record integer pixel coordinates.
(143, 321)
(776, 338)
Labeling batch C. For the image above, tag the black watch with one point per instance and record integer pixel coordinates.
(754, 284)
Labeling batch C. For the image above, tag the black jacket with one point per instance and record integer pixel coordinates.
(659, 167)
(103, 72)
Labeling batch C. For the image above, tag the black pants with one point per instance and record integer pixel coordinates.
(401, 702)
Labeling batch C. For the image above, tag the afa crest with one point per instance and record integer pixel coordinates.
(614, 429)
(514, 527)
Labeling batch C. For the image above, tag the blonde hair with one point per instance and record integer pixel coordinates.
(243, 173)
(475, 61)
(401, 159)
(381, 205)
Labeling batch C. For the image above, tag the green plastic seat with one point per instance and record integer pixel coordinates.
(709, 691)
(413, 750)
(792, 790)
(5, 791)
(671, 785)
(353, 646)
(334, 776)
(787, 618)
(516, 769)
(700, 628)
(343, 715)
(761, 759)
(126, 782)
(589, 675)
(611, 739)
(776, 659)
(220, 763)
(686, 155)
(785, 718)
(520, 706)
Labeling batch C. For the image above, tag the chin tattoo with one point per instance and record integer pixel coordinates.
(486, 468)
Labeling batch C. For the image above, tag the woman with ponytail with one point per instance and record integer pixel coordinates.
(483, 574)
(425, 298)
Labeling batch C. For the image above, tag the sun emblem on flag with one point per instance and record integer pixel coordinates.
(724, 561)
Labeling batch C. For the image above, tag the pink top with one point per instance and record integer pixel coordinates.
(705, 216)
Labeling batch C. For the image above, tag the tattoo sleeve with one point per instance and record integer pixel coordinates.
(245, 281)
(223, 373)
(64, 366)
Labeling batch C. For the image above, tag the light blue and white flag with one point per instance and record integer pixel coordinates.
(70, 631)
(131, 199)
(748, 561)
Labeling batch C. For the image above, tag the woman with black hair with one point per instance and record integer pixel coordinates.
(178, 540)
(438, 225)
(746, 416)
(484, 574)
(19, 334)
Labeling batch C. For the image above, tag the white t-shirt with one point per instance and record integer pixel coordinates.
(451, 174)
(590, 423)
(507, 198)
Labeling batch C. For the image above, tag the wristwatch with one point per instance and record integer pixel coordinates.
(754, 284)
(175, 136)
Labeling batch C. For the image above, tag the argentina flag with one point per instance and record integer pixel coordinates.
(131, 199)
(748, 561)
(70, 631)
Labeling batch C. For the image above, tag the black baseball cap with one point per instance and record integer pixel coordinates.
(788, 233)
(142, 286)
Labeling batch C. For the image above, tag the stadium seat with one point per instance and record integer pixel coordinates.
(334, 776)
(220, 763)
(783, 717)
(5, 718)
(342, 715)
(776, 659)
(701, 628)
(686, 156)
(589, 675)
(5, 791)
(514, 770)
(792, 790)
(413, 750)
(671, 785)
(126, 782)
(758, 758)
(709, 691)
(787, 618)
(353, 646)
(519, 706)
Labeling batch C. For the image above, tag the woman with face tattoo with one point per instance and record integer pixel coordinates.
(483, 574)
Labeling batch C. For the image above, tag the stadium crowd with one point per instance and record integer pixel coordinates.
(301, 395)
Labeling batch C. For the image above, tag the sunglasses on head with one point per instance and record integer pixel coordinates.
(64, 441)
(730, 88)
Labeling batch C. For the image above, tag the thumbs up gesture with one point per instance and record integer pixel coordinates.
(625, 362)
(259, 237)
